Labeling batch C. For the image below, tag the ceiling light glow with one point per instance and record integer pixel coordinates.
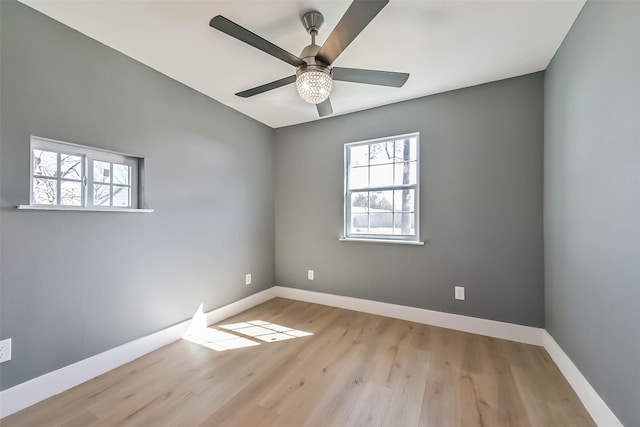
(314, 84)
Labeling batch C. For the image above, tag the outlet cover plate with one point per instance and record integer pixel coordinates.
(247, 279)
(459, 292)
(310, 274)
(5, 350)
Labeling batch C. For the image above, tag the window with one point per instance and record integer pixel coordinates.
(382, 189)
(69, 175)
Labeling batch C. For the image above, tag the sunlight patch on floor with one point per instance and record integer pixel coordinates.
(231, 338)
(199, 333)
(219, 340)
(265, 331)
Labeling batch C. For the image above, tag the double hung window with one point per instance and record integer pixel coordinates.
(382, 188)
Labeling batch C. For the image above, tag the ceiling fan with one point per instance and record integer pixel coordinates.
(314, 73)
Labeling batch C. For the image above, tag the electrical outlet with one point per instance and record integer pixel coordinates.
(247, 279)
(310, 274)
(5, 350)
(459, 293)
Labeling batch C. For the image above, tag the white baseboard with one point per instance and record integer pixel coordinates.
(33, 391)
(475, 325)
(219, 314)
(599, 411)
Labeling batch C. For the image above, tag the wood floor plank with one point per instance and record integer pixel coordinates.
(251, 415)
(356, 369)
(371, 407)
(405, 405)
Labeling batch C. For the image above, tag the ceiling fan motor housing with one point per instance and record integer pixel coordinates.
(308, 55)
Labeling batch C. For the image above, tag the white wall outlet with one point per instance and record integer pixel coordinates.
(247, 279)
(310, 274)
(459, 293)
(5, 350)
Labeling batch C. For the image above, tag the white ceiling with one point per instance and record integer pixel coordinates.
(444, 45)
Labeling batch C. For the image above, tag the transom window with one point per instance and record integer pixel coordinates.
(65, 174)
(382, 188)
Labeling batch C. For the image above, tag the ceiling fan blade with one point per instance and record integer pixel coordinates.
(354, 20)
(266, 87)
(234, 30)
(324, 108)
(371, 77)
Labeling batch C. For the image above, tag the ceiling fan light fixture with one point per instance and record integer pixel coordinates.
(314, 72)
(314, 83)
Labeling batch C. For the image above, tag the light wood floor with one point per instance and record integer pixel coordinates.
(356, 369)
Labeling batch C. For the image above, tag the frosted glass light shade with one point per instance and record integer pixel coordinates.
(314, 86)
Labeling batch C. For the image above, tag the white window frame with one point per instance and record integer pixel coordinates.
(89, 156)
(348, 234)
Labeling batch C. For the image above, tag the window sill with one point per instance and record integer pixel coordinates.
(397, 242)
(81, 209)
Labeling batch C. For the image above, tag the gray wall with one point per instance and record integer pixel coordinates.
(481, 204)
(78, 283)
(592, 201)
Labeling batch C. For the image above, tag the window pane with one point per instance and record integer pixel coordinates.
(121, 174)
(405, 173)
(71, 193)
(381, 201)
(381, 223)
(359, 223)
(70, 166)
(404, 200)
(45, 163)
(101, 195)
(381, 152)
(45, 191)
(404, 224)
(406, 149)
(359, 155)
(121, 196)
(359, 202)
(381, 176)
(101, 171)
(358, 177)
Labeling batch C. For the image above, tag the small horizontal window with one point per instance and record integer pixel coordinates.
(70, 175)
